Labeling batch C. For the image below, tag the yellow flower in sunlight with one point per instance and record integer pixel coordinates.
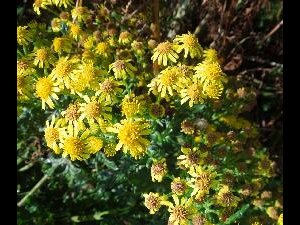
(225, 197)
(211, 56)
(158, 170)
(165, 52)
(103, 49)
(43, 58)
(81, 14)
(52, 133)
(131, 136)
(122, 68)
(75, 31)
(178, 186)
(40, 4)
(125, 37)
(167, 82)
(24, 36)
(94, 110)
(189, 43)
(131, 106)
(213, 90)
(108, 90)
(192, 93)
(64, 3)
(209, 72)
(192, 157)
(63, 71)
(71, 117)
(46, 90)
(61, 45)
(153, 201)
(182, 211)
(94, 144)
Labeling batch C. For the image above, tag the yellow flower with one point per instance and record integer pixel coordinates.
(56, 24)
(209, 72)
(266, 167)
(213, 90)
(211, 56)
(153, 201)
(187, 127)
(45, 89)
(64, 3)
(122, 68)
(75, 145)
(24, 67)
(94, 110)
(178, 186)
(88, 43)
(24, 36)
(94, 144)
(24, 85)
(40, 4)
(52, 133)
(108, 90)
(166, 83)
(130, 133)
(80, 13)
(225, 198)
(280, 219)
(62, 45)
(189, 43)
(158, 170)
(75, 31)
(182, 212)
(202, 180)
(103, 49)
(191, 158)
(131, 106)
(110, 149)
(125, 38)
(192, 93)
(165, 52)
(138, 47)
(63, 71)
(71, 117)
(43, 58)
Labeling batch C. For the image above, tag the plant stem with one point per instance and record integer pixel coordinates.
(35, 188)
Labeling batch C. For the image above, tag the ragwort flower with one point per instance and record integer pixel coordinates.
(153, 201)
(165, 52)
(189, 43)
(46, 90)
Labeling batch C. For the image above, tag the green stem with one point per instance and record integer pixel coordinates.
(34, 189)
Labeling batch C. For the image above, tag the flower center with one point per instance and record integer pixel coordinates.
(51, 135)
(164, 48)
(152, 202)
(107, 86)
(120, 65)
(193, 158)
(73, 146)
(44, 87)
(72, 112)
(194, 92)
(203, 181)
(168, 78)
(190, 40)
(63, 68)
(41, 54)
(129, 133)
(180, 213)
(92, 109)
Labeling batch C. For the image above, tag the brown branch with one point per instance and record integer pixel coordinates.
(273, 30)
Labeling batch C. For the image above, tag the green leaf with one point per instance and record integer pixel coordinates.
(237, 215)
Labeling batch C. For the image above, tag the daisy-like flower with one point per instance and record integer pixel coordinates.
(24, 85)
(52, 133)
(182, 212)
(226, 199)
(103, 49)
(213, 90)
(44, 58)
(94, 110)
(209, 72)
(122, 68)
(24, 67)
(138, 47)
(211, 56)
(110, 149)
(89, 75)
(24, 36)
(74, 143)
(64, 3)
(94, 144)
(178, 186)
(192, 157)
(71, 116)
(202, 180)
(63, 71)
(153, 201)
(46, 89)
(40, 4)
(62, 45)
(80, 13)
(188, 127)
(131, 106)
(56, 24)
(130, 133)
(158, 170)
(167, 82)
(108, 90)
(165, 52)
(125, 38)
(88, 43)
(192, 93)
(75, 31)
(189, 43)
